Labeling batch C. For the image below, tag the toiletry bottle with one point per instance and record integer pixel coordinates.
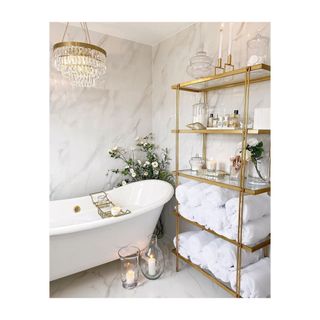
(225, 122)
(210, 120)
(236, 120)
(220, 122)
(215, 121)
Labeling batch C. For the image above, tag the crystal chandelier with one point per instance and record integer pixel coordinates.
(81, 62)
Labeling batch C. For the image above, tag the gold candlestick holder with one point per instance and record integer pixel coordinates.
(219, 67)
(228, 66)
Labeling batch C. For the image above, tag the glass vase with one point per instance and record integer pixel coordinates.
(152, 260)
(258, 171)
(129, 260)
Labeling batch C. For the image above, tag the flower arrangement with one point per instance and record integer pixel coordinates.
(153, 166)
(254, 152)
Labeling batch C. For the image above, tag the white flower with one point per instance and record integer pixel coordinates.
(115, 148)
(145, 144)
(252, 142)
(137, 138)
(126, 167)
(248, 155)
(131, 170)
(155, 164)
(124, 182)
(145, 173)
(146, 163)
(133, 174)
(139, 162)
(156, 172)
(109, 151)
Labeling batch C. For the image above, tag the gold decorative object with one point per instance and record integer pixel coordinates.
(252, 74)
(76, 209)
(218, 67)
(81, 62)
(104, 205)
(228, 66)
(196, 126)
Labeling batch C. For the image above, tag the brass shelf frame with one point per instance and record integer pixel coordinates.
(224, 184)
(254, 248)
(205, 273)
(239, 77)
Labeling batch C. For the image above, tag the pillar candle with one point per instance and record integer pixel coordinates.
(130, 277)
(152, 266)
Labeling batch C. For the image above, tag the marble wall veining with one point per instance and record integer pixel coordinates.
(169, 61)
(86, 122)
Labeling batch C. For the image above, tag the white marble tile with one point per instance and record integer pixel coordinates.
(104, 282)
(86, 122)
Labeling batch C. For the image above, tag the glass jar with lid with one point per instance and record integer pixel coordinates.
(196, 163)
(200, 65)
(258, 50)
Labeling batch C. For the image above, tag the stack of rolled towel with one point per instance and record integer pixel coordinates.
(217, 209)
(219, 257)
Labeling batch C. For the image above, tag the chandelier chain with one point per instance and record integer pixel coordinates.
(65, 31)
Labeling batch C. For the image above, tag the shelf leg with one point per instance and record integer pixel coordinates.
(242, 178)
(177, 172)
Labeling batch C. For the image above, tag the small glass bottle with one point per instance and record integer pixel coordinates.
(220, 122)
(210, 120)
(235, 120)
(225, 122)
(215, 121)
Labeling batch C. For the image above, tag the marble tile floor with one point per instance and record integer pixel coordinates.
(104, 282)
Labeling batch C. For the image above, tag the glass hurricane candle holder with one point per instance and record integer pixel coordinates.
(129, 260)
(152, 260)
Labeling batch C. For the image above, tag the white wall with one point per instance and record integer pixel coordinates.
(169, 61)
(86, 122)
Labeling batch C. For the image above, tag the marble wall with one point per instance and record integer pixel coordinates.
(169, 61)
(86, 122)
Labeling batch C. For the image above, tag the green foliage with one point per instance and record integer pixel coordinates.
(153, 166)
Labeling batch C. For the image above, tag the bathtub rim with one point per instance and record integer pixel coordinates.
(56, 231)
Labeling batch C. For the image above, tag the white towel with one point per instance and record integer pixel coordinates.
(196, 243)
(254, 207)
(196, 194)
(217, 196)
(255, 280)
(182, 191)
(220, 272)
(187, 212)
(210, 251)
(183, 242)
(227, 256)
(253, 231)
(217, 220)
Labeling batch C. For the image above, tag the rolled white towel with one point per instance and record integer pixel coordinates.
(227, 256)
(196, 194)
(196, 243)
(187, 212)
(254, 207)
(217, 220)
(220, 272)
(217, 196)
(210, 251)
(183, 242)
(253, 231)
(255, 280)
(182, 191)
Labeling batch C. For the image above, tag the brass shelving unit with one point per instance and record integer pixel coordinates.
(239, 77)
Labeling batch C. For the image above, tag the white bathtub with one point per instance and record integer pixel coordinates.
(79, 241)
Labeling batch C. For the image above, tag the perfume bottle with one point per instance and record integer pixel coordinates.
(234, 121)
(215, 121)
(220, 122)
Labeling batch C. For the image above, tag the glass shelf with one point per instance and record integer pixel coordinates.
(223, 182)
(258, 73)
(223, 131)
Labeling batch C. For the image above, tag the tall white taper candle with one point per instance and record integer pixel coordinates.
(230, 38)
(221, 40)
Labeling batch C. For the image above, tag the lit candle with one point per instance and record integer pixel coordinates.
(152, 266)
(211, 164)
(221, 40)
(230, 38)
(130, 277)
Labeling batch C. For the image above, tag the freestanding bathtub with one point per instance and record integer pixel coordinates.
(82, 240)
